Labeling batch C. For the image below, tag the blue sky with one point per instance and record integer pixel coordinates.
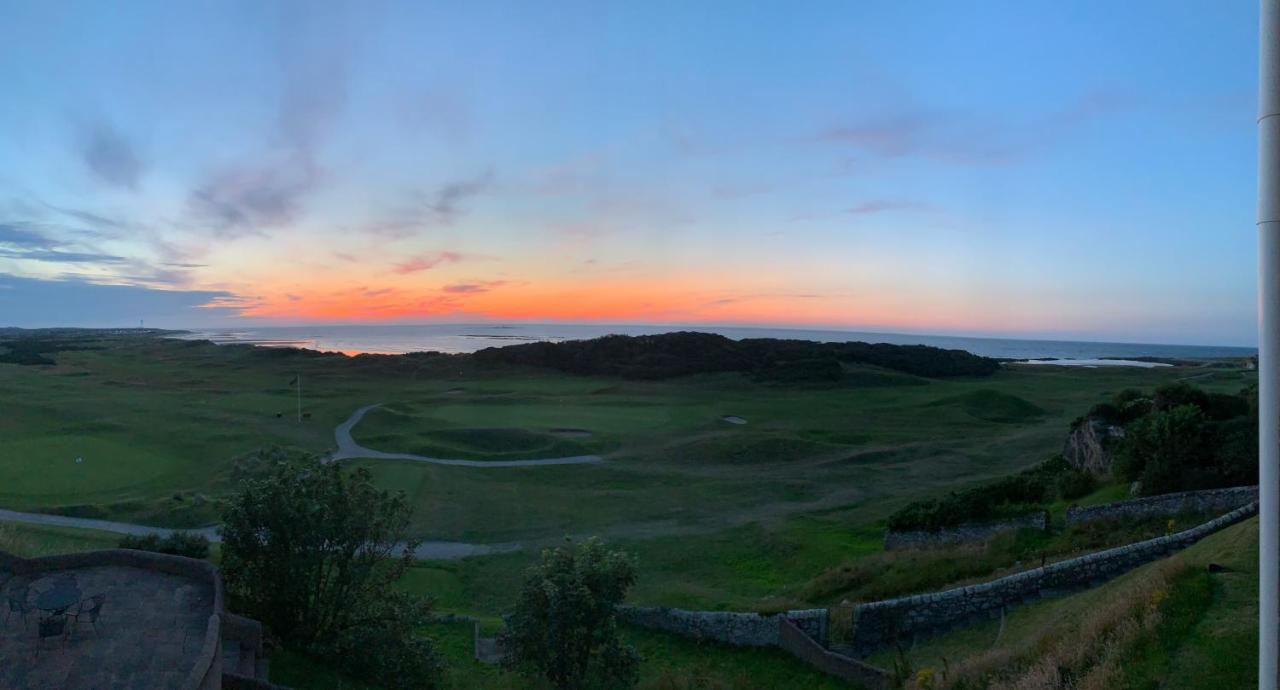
(1065, 170)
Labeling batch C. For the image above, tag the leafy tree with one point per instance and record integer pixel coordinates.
(565, 627)
(312, 550)
(1171, 395)
(1165, 450)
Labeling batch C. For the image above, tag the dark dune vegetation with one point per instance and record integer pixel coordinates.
(679, 354)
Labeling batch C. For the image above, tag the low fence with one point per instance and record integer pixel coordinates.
(808, 650)
(881, 623)
(729, 627)
(974, 532)
(1210, 500)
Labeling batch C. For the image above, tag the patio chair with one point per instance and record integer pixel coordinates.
(17, 604)
(52, 626)
(90, 608)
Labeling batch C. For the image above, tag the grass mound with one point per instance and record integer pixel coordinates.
(750, 449)
(479, 444)
(993, 406)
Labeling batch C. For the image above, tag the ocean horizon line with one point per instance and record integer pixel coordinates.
(712, 327)
(470, 337)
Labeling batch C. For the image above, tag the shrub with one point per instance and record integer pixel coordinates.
(1166, 450)
(1075, 483)
(1171, 395)
(1007, 497)
(564, 626)
(313, 551)
(175, 543)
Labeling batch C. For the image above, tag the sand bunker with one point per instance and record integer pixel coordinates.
(734, 419)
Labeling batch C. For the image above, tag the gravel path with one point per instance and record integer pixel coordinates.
(427, 550)
(348, 448)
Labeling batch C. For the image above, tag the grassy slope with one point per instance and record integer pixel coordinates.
(156, 418)
(1206, 638)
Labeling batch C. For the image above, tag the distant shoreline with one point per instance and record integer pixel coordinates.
(465, 338)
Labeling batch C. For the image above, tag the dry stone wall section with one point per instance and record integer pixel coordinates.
(882, 623)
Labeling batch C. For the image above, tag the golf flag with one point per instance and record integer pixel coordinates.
(294, 381)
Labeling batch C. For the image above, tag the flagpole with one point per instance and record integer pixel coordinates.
(299, 378)
(1269, 344)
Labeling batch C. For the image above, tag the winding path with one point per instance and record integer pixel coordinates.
(348, 448)
(427, 550)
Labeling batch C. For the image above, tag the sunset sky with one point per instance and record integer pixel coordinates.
(1027, 168)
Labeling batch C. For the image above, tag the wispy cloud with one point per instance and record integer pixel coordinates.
(91, 302)
(110, 156)
(445, 203)
(268, 188)
(26, 242)
(15, 234)
(57, 256)
(442, 206)
(882, 205)
(966, 138)
(95, 220)
(265, 194)
(473, 288)
(424, 262)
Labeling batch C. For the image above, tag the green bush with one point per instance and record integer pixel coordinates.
(176, 543)
(1124, 407)
(564, 627)
(1004, 498)
(1171, 395)
(313, 551)
(1164, 449)
(1075, 483)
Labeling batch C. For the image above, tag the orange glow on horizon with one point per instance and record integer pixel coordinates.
(670, 300)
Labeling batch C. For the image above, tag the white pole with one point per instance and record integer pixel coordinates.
(299, 377)
(1269, 344)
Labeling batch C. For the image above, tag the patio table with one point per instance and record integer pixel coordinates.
(59, 599)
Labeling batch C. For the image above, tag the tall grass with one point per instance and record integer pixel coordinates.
(1089, 653)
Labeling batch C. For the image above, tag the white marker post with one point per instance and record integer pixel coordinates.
(1269, 344)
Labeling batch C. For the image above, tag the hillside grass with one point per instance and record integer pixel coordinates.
(156, 420)
(1167, 624)
(782, 511)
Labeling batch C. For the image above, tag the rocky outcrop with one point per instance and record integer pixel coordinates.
(1088, 446)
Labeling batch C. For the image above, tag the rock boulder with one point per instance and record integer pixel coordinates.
(1088, 446)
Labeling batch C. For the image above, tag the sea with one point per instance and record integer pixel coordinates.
(461, 338)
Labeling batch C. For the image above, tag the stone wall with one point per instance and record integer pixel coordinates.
(962, 533)
(879, 624)
(741, 629)
(808, 650)
(1211, 500)
(487, 650)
